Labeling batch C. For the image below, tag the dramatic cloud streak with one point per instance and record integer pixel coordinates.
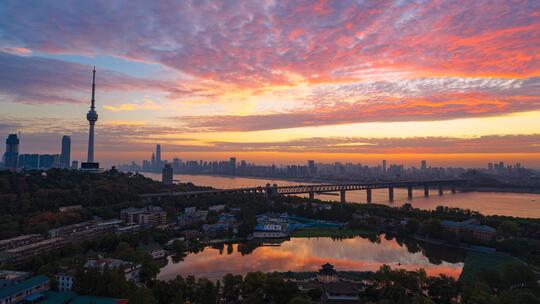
(216, 76)
(261, 43)
(426, 99)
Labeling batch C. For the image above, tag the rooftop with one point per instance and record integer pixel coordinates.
(97, 300)
(33, 281)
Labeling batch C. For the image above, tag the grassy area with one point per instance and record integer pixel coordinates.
(329, 232)
(477, 261)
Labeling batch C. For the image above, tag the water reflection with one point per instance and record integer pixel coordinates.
(307, 254)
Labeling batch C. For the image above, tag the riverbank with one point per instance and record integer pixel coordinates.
(501, 190)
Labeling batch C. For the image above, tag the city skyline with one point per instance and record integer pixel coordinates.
(403, 81)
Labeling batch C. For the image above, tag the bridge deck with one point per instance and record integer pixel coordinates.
(301, 189)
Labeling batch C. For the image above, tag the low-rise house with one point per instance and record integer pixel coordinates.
(65, 279)
(131, 270)
(225, 224)
(155, 251)
(281, 225)
(70, 208)
(147, 216)
(191, 217)
(24, 291)
(10, 278)
(216, 208)
(473, 226)
(339, 292)
(271, 227)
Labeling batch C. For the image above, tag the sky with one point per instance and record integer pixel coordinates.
(454, 82)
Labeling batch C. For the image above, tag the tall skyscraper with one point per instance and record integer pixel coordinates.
(65, 156)
(11, 156)
(158, 154)
(232, 165)
(384, 166)
(423, 165)
(312, 170)
(167, 174)
(92, 117)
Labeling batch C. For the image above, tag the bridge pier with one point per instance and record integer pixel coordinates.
(368, 195)
(342, 196)
(440, 190)
(409, 192)
(426, 190)
(391, 193)
(311, 195)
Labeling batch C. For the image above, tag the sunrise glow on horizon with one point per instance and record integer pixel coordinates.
(453, 82)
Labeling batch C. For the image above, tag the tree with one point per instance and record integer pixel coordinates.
(518, 275)
(206, 292)
(299, 300)
(232, 285)
(315, 294)
(432, 228)
(142, 295)
(253, 287)
(442, 288)
(412, 225)
(508, 229)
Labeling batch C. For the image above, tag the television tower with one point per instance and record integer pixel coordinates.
(92, 117)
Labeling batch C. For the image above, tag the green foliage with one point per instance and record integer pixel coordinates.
(29, 201)
(299, 300)
(432, 228)
(508, 228)
(402, 286)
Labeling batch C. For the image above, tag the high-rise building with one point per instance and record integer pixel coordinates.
(65, 156)
(423, 165)
(312, 170)
(167, 174)
(92, 117)
(11, 156)
(232, 165)
(47, 161)
(158, 154)
(384, 166)
(29, 161)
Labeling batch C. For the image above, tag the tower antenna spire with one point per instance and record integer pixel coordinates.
(93, 87)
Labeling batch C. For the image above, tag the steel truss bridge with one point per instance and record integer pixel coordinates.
(311, 190)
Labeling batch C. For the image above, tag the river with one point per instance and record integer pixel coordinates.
(308, 254)
(488, 203)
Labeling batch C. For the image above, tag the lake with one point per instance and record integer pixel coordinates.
(488, 203)
(308, 254)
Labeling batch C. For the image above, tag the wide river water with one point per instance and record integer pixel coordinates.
(488, 203)
(351, 254)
